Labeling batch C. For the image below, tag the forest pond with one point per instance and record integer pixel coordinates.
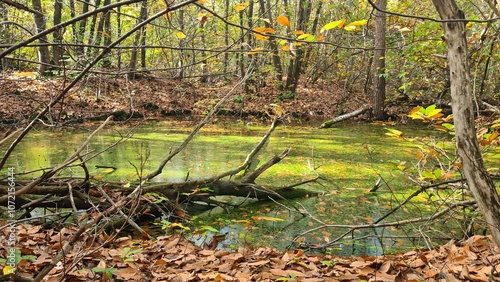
(349, 158)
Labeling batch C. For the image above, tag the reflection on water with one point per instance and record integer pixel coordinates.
(351, 159)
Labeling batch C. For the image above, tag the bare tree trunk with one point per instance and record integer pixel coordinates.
(478, 179)
(93, 24)
(379, 62)
(80, 50)
(135, 50)
(43, 50)
(226, 35)
(58, 34)
(143, 17)
(295, 66)
(118, 34)
(265, 12)
(317, 16)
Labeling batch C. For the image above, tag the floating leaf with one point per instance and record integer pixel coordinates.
(394, 133)
(298, 32)
(180, 35)
(334, 24)
(320, 38)
(209, 228)
(283, 20)
(350, 28)
(244, 221)
(267, 218)
(241, 6)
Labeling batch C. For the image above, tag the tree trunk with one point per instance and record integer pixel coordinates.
(135, 50)
(93, 23)
(379, 62)
(479, 181)
(118, 34)
(82, 27)
(265, 13)
(143, 17)
(295, 66)
(43, 50)
(57, 49)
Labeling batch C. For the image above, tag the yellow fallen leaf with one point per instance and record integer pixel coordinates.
(8, 270)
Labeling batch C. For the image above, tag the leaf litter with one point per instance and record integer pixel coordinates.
(173, 258)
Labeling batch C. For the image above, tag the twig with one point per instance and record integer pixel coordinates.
(64, 164)
(378, 225)
(126, 217)
(198, 127)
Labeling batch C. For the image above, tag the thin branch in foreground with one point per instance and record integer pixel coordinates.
(352, 228)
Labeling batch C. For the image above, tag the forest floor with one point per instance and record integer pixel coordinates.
(172, 258)
(153, 98)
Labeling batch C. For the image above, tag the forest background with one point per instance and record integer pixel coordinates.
(81, 61)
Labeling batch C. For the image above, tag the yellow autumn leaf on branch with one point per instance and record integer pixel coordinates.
(255, 51)
(264, 29)
(305, 35)
(180, 35)
(358, 23)
(350, 28)
(241, 6)
(283, 20)
(261, 37)
(334, 24)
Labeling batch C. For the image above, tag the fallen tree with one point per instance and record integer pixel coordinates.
(70, 192)
(330, 123)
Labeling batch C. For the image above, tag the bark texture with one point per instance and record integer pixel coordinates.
(480, 183)
(379, 63)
